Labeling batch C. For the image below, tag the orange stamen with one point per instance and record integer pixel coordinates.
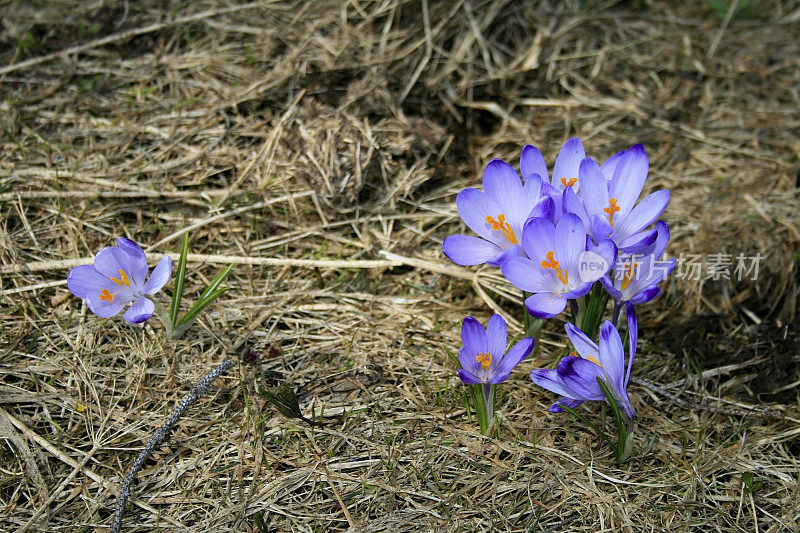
(485, 360)
(611, 209)
(502, 226)
(569, 183)
(563, 275)
(123, 280)
(593, 360)
(628, 275)
(106, 296)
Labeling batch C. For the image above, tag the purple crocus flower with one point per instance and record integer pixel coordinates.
(552, 269)
(576, 375)
(608, 209)
(117, 278)
(635, 277)
(497, 214)
(565, 171)
(483, 356)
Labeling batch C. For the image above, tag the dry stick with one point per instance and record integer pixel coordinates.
(122, 36)
(161, 435)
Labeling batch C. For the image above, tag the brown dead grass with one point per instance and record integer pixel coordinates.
(342, 131)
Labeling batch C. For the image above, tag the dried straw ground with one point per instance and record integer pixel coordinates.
(319, 146)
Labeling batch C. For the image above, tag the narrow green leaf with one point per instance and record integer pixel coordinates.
(177, 292)
(216, 283)
(199, 306)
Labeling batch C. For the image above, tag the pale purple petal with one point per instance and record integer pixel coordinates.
(138, 260)
(526, 275)
(532, 162)
(583, 344)
(545, 304)
(543, 208)
(467, 377)
(612, 355)
(85, 280)
(580, 290)
(646, 295)
(608, 285)
(610, 166)
(638, 242)
(473, 208)
(580, 376)
(501, 183)
(643, 214)
(496, 336)
(110, 261)
(538, 238)
(568, 402)
(468, 360)
(548, 379)
(505, 255)
(594, 189)
(607, 250)
(103, 308)
(532, 190)
(160, 275)
(629, 178)
(570, 242)
(573, 205)
(141, 311)
(498, 378)
(567, 162)
(515, 355)
(473, 336)
(466, 250)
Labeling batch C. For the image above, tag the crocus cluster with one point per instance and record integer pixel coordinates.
(556, 237)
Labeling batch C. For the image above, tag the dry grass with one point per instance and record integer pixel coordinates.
(289, 131)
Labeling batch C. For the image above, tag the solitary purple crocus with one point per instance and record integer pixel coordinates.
(608, 209)
(576, 375)
(497, 214)
(552, 270)
(483, 356)
(635, 277)
(117, 278)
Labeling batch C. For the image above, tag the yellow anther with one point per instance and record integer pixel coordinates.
(569, 183)
(611, 210)
(106, 296)
(123, 280)
(593, 360)
(563, 275)
(485, 359)
(627, 276)
(502, 226)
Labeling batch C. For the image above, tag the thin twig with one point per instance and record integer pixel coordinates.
(161, 435)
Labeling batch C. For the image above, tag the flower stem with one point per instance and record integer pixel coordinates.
(488, 398)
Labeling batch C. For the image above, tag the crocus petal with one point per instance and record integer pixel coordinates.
(545, 305)
(638, 242)
(496, 336)
(580, 376)
(644, 213)
(558, 203)
(109, 262)
(532, 162)
(525, 275)
(612, 355)
(468, 360)
(141, 311)
(85, 280)
(567, 162)
(570, 242)
(160, 275)
(583, 344)
(594, 189)
(538, 238)
(473, 208)
(605, 249)
(505, 255)
(543, 208)
(600, 227)
(610, 166)
(138, 260)
(608, 285)
(567, 402)
(580, 290)
(501, 183)
(473, 336)
(103, 308)
(466, 250)
(633, 339)
(467, 377)
(628, 180)
(573, 205)
(532, 190)
(498, 378)
(549, 379)
(515, 355)
(646, 295)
